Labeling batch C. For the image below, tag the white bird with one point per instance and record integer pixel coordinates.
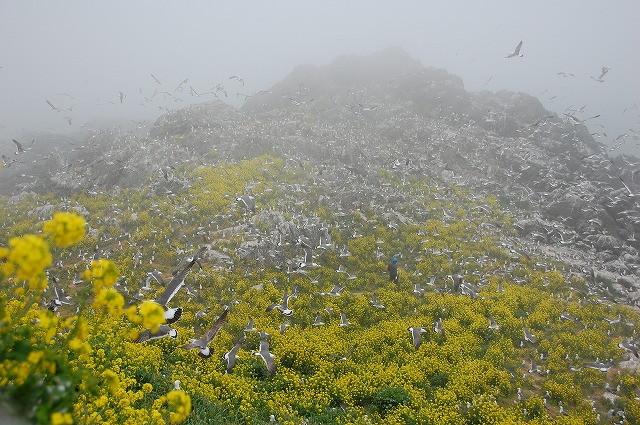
(202, 344)
(630, 194)
(437, 327)
(263, 352)
(231, 355)
(516, 52)
(343, 320)
(335, 291)
(248, 202)
(283, 326)
(318, 320)
(492, 324)
(163, 331)
(375, 303)
(603, 72)
(528, 336)
(283, 306)
(250, 326)
(416, 335)
(344, 356)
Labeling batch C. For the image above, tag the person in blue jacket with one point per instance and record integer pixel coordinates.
(392, 268)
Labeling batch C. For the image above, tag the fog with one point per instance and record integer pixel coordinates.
(80, 55)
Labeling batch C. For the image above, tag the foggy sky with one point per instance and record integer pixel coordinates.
(80, 54)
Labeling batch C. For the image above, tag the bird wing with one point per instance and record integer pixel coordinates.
(285, 299)
(267, 356)
(518, 47)
(144, 336)
(351, 350)
(603, 72)
(19, 145)
(230, 356)
(173, 287)
(215, 328)
(308, 255)
(416, 337)
(250, 325)
(158, 277)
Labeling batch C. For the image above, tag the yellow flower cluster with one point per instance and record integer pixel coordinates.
(151, 315)
(111, 299)
(66, 228)
(27, 258)
(104, 274)
(49, 322)
(58, 418)
(179, 406)
(111, 380)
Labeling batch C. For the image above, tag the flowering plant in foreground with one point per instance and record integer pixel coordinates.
(48, 367)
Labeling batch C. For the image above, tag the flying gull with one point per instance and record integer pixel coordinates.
(344, 356)
(416, 335)
(283, 306)
(163, 331)
(231, 355)
(263, 352)
(516, 52)
(202, 344)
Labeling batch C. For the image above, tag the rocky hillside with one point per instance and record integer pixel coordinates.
(348, 121)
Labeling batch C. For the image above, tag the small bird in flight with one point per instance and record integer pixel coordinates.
(52, 107)
(515, 52)
(603, 72)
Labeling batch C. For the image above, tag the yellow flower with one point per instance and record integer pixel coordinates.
(133, 335)
(152, 315)
(66, 228)
(111, 299)
(34, 357)
(157, 403)
(77, 345)
(104, 274)
(132, 315)
(179, 405)
(147, 387)
(48, 322)
(82, 329)
(156, 418)
(58, 418)
(111, 380)
(28, 257)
